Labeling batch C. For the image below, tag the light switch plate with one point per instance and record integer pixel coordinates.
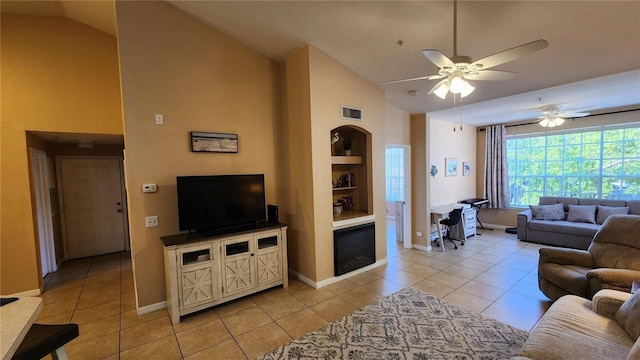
(149, 188)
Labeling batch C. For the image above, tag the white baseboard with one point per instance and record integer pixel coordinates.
(335, 279)
(422, 247)
(34, 292)
(151, 308)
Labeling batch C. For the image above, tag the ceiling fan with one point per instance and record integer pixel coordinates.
(552, 116)
(456, 70)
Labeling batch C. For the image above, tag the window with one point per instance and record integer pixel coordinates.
(395, 174)
(599, 163)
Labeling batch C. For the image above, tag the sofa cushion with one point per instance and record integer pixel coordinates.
(605, 211)
(582, 213)
(565, 227)
(605, 202)
(548, 212)
(572, 278)
(634, 207)
(628, 316)
(571, 330)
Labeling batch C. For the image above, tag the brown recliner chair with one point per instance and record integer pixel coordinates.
(612, 261)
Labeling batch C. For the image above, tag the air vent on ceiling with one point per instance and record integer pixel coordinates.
(350, 113)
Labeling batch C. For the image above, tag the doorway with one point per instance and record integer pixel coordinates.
(92, 196)
(398, 195)
(41, 186)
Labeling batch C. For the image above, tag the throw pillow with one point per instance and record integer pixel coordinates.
(548, 212)
(582, 213)
(628, 316)
(605, 211)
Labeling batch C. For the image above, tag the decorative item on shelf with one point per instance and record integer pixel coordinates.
(345, 180)
(347, 142)
(347, 203)
(337, 208)
(434, 171)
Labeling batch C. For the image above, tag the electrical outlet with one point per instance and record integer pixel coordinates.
(151, 221)
(159, 119)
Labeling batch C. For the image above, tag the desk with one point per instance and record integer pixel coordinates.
(16, 319)
(439, 212)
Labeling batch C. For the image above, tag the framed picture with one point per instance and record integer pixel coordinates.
(214, 142)
(466, 168)
(451, 166)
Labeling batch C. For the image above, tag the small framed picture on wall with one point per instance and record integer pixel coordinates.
(451, 166)
(466, 168)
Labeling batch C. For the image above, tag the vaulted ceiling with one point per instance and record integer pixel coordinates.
(592, 62)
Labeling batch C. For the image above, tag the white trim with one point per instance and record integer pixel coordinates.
(151, 308)
(34, 292)
(40, 176)
(422, 247)
(353, 221)
(336, 279)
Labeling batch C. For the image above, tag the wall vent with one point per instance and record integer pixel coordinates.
(350, 113)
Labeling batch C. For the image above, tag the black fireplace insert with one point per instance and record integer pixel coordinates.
(353, 248)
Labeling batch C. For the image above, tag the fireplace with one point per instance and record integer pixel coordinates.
(353, 248)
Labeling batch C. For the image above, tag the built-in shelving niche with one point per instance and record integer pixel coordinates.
(357, 187)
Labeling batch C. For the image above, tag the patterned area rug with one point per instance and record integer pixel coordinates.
(408, 324)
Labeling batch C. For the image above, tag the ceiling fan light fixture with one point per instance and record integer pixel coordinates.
(442, 90)
(544, 122)
(461, 86)
(559, 121)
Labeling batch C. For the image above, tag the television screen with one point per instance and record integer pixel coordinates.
(211, 202)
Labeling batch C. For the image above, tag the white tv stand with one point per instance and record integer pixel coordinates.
(211, 270)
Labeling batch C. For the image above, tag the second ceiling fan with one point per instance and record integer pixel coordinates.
(456, 70)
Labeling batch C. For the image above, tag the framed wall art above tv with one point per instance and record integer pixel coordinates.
(214, 142)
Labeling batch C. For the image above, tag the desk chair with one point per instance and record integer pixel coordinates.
(454, 218)
(42, 340)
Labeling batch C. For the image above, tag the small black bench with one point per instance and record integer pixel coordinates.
(42, 340)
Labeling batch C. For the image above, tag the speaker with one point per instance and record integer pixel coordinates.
(272, 213)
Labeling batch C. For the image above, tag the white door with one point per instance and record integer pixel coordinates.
(43, 211)
(92, 196)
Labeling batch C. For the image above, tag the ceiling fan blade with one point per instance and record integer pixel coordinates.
(429, 77)
(436, 86)
(492, 75)
(511, 54)
(438, 58)
(572, 115)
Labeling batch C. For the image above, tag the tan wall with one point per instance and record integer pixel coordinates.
(419, 179)
(507, 217)
(446, 143)
(57, 75)
(332, 85)
(295, 169)
(201, 80)
(398, 125)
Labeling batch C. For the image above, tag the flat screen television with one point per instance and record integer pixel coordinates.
(209, 203)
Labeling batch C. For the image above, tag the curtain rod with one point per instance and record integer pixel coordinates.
(573, 118)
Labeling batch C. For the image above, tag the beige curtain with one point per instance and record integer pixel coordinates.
(496, 176)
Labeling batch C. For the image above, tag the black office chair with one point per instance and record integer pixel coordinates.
(42, 340)
(454, 218)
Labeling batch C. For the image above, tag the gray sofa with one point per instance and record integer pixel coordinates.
(570, 234)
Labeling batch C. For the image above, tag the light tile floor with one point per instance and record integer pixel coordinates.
(494, 274)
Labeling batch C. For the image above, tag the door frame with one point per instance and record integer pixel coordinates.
(406, 157)
(41, 188)
(63, 220)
